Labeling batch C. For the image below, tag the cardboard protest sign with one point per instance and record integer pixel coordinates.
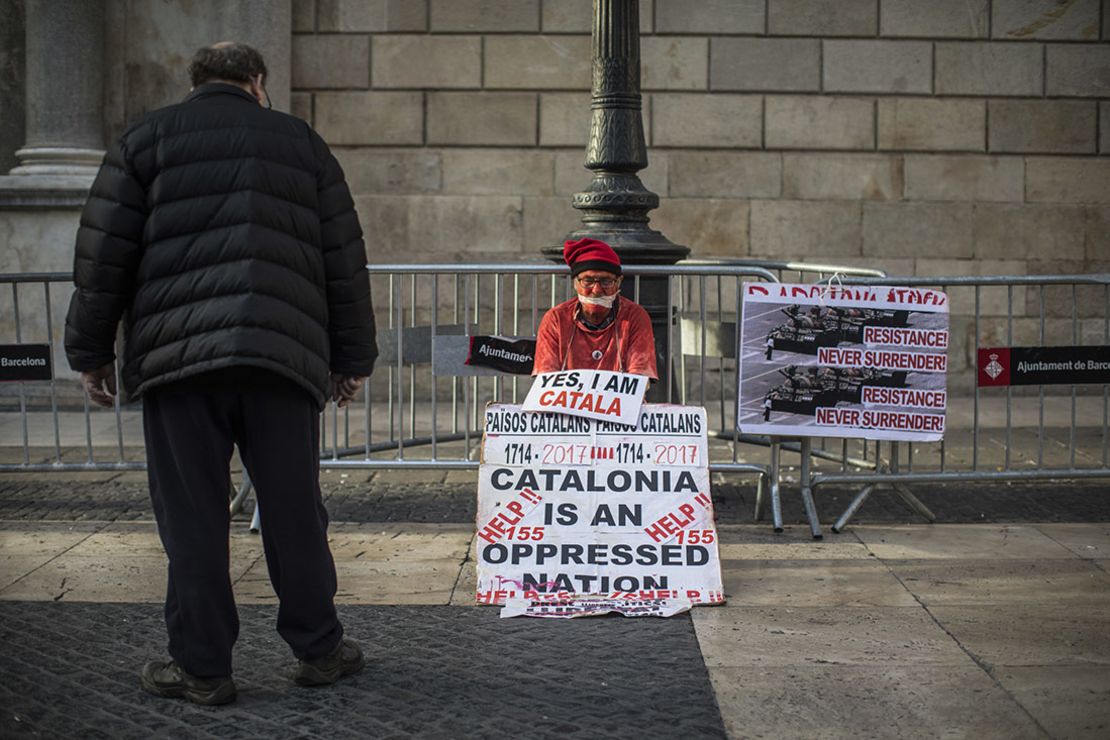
(841, 361)
(579, 517)
(594, 394)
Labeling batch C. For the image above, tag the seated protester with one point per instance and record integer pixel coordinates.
(599, 329)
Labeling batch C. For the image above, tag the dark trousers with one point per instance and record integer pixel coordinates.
(190, 431)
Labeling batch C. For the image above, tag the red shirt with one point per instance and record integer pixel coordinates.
(626, 345)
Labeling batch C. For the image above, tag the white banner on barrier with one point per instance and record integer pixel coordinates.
(578, 517)
(843, 361)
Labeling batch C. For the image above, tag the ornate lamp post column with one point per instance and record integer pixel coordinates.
(615, 204)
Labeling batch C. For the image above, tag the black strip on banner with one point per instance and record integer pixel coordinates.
(509, 356)
(25, 362)
(1044, 365)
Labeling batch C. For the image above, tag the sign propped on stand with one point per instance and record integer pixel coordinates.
(578, 517)
(604, 395)
(843, 361)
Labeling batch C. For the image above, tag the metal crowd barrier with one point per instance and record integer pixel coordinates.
(423, 408)
(1015, 433)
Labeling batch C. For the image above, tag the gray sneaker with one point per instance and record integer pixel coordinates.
(169, 681)
(343, 661)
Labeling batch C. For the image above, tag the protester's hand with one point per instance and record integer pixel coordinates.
(344, 388)
(100, 384)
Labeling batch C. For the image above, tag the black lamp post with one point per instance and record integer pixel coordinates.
(615, 204)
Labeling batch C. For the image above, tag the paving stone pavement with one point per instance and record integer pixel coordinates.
(69, 670)
(26, 496)
(989, 628)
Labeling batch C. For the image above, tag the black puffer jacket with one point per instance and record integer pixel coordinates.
(225, 236)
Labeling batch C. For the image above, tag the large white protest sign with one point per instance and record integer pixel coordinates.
(604, 395)
(843, 361)
(580, 517)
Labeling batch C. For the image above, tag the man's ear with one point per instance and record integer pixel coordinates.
(257, 89)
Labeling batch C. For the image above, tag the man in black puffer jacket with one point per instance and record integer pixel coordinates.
(224, 236)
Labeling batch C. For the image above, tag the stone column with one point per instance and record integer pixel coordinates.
(615, 204)
(64, 104)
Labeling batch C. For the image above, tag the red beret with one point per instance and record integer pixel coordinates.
(591, 254)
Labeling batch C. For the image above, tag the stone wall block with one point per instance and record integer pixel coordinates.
(426, 61)
(725, 174)
(709, 16)
(965, 178)
(913, 229)
(571, 175)
(370, 117)
(920, 124)
(708, 226)
(419, 228)
(373, 16)
(822, 17)
(1024, 231)
(878, 66)
(968, 68)
(1104, 127)
(493, 119)
(300, 105)
(565, 119)
(547, 221)
(842, 177)
(1098, 233)
(498, 172)
(530, 62)
(706, 120)
(953, 19)
(576, 16)
(791, 229)
(1070, 180)
(1043, 126)
(379, 171)
(992, 301)
(330, 61)
(674, 63)
(1079, 70)
(1089, 303)
(304, 15)
(819, 123)
(751, 64)
(1018, 20)
(481, 16)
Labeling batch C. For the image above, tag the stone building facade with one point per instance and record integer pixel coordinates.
(924, 137)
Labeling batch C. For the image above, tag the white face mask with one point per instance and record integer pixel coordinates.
(602, 300)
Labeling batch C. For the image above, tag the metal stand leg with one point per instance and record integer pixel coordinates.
(853, 507)
(256, 521)
(904, 492)
(807, 491)
(914, 502)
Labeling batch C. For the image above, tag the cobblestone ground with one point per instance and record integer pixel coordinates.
(39, 497)
(70, 670)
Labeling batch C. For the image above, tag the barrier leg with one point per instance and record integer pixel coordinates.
(776, 500)
(239, 497)
(256, 520)
(760, 485)
(807, 492)
(853, 507)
